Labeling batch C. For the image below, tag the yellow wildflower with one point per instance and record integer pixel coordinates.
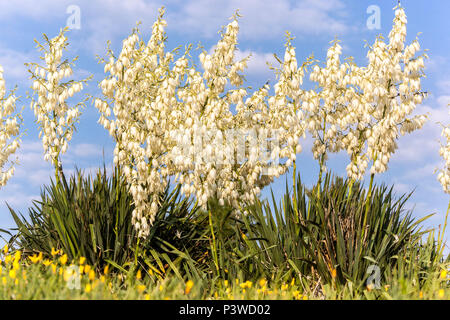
(63, 259)
(263, 290)
(88, 288)
(4, 280)
(189, 286)
(105, 271)
(421, 294)
(91, 275)
(54, 252)
(443, 274)
(246, 284)
(333, 273)
(68, 273)
(36, 258)
(292, 282)
(82, 260)
(5, 249)
(12, 273)
(262, 282)
(46, 262)
(225, 283)
(53, 268)
(161, 288)
(139, 275)
(141, 288)
(441, 293)
(17, 256)
(147, 297)
(8, 259)
(284, 287)
(87, 268)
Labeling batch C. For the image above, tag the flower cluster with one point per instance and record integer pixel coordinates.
(9, 131)
(444, 151)
(170, 120)
(55, 118)
(328, 109)
(365, 109)
(142, 87)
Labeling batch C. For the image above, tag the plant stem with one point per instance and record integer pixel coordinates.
(441, 235)
(294, 188)
(136, 252)
(213, 246)
(58, 171)
(368, 200)
(350, 189)
(319, 182)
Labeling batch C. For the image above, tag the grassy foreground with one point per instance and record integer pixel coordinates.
(36, 277)
(308, 246)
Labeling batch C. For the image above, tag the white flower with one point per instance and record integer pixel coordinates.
(55, 118)
(9, 132)
(444, 151)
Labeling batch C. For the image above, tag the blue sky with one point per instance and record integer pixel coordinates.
(314, 23)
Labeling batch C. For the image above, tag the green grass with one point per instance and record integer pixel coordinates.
(53, 279)
(331, 244)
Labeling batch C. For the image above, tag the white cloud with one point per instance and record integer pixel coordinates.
(257, 64)
(443, 102)
(435, 63)
(13, 63)
(106, 19)
(32, 173)
(103, 20)
(29, 8)
(86, 150)
(261, 19)
(422, 145)
(444, 86)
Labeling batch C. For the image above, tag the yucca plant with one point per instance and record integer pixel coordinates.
(323, 235)
(91, 217)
